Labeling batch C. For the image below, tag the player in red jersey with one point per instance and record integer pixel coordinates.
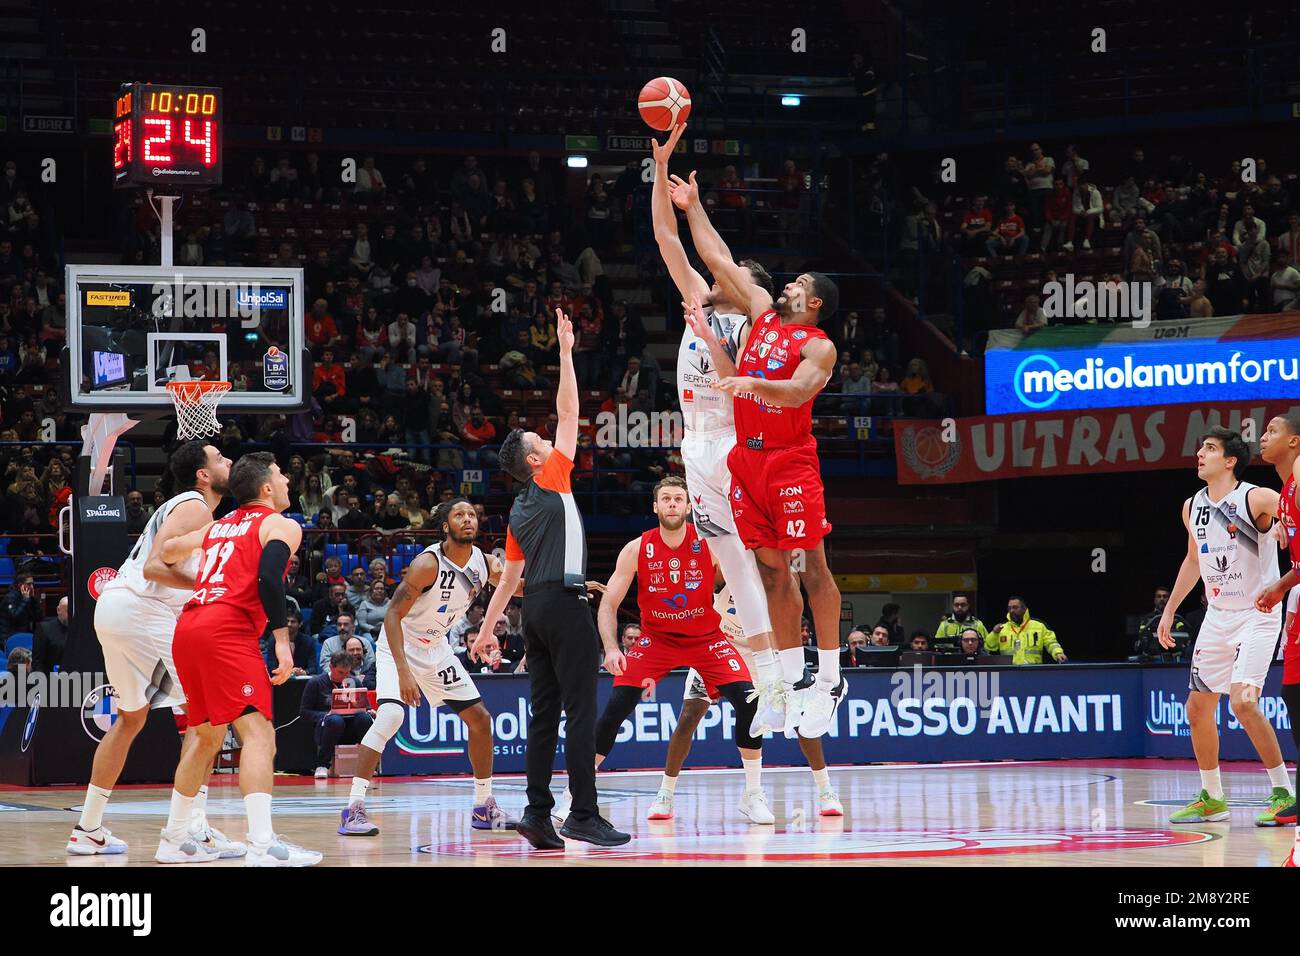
(777, 499)
(1280, 447)
(238, 590)
(675, 569)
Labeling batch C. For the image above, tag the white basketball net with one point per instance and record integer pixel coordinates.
(196, 407)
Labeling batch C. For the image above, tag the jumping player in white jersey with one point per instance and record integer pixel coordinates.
(135, 619)
(412, 656)
(1231, 549)
(710, 434)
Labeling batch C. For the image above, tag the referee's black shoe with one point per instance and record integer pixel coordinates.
(597, 830)
(539, 832)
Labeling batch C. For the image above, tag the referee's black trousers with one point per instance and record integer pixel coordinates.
(562, 646)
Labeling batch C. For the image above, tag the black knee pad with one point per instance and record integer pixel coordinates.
(738, 694)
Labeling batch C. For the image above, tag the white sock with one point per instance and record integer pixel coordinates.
(482, 790)
(199, 813)
(1278, 776)
(766, 663)
(828, 667)
(668, 783)
(822, 778)
(178, 818)
(359, 787)
(753, 773)
(258, 808)
(1212, 784)
(791, 664)
(92, 811)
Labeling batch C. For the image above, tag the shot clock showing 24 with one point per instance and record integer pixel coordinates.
(167, 134)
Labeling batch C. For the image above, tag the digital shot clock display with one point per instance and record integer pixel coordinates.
(167, 135)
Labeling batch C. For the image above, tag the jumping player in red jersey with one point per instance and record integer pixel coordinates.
(777, 498)
(674, 569)
(238, 590)
(1280, 447)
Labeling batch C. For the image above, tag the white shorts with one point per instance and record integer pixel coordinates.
(439, 673)
(136, 635)
(1234, 647)
(708, 480)
(695, 686)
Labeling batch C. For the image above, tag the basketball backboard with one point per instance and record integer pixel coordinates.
(133, 329)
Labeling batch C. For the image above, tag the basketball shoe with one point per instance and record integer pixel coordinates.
(773, 697)
(211, 838)
(1281, 809)
(280, 852)
(1202, 810)
(828, 803)
(186, 849)
(489, 816)
(662, 808)
(354, 822)
(753, 807)
(92, 842)
(820, 706)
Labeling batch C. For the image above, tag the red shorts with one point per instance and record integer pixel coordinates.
(714, 658)
(223, 674)
(1290, 656)
(777, 499)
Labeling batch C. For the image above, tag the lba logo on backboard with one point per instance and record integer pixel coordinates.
(98, 578)
(275, 369)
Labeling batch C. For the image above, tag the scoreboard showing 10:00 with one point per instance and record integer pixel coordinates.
(167, 134)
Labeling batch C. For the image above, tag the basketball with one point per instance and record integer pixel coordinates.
(664, 102)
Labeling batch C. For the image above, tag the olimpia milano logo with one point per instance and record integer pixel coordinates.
(1040, 380)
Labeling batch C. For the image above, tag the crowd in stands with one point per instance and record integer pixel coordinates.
(1211, 241)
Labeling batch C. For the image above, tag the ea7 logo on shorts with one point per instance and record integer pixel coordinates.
(208, 595)
(791, 491)
(738, 494)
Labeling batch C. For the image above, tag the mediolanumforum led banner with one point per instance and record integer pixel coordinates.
(1059, 368)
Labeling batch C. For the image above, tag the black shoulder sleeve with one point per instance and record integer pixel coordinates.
(270, 583)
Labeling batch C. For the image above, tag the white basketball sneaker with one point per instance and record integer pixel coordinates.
(213, 839)
(662, 808)
(187, 849)
(280, 852)
(819, 708)
(772, 698)
(753, 807)
(93, 842)
(560, 812)
(829, 805)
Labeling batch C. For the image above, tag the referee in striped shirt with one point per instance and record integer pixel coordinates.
(546, 537)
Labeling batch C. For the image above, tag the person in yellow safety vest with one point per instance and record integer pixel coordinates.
(1023, 638)
(948, 633)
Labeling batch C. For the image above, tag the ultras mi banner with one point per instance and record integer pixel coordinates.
(1069, 442)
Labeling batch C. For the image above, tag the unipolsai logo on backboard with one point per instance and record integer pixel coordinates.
(275, 369)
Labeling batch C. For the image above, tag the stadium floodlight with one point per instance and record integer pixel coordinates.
(790, 99)
(577, 162)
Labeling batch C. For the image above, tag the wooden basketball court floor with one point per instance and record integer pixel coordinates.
(1078, 813)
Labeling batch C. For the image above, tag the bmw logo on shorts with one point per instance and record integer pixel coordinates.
(643, 642)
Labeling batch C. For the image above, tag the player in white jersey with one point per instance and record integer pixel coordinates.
(710, 434)
(135, 618)
(696, 702)
(1230, 548)
(414, 657)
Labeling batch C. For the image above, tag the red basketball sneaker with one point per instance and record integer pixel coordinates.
(1290, 858)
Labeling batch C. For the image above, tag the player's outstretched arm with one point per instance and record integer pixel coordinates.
(185, 518)
(495, 570)
(607, 615)
(421, 574)
(664, 218)
(735, 280)
(280, 538)
(809, 378)
(181, 547)
(1188, 574)
(486, 644)
(566, 399)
